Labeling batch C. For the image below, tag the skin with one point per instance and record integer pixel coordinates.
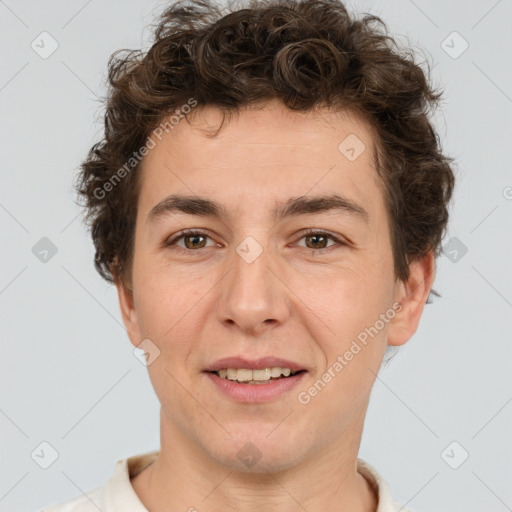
(296, 301)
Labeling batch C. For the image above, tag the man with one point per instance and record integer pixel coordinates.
(269, 199)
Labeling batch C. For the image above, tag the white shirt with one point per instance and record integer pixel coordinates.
(118, 495)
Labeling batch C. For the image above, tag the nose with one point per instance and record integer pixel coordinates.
(253, 297)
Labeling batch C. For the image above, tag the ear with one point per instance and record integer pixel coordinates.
(128, 311)
(413, 295)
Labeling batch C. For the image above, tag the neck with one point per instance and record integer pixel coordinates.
(184, 477)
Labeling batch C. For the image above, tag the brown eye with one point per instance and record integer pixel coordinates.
(318, 241)
(192, 240)
(194, 243)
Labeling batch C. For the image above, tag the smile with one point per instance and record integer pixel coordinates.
(262, 376)
(253, 388)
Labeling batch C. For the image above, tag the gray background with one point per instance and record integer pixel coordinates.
(69, 375)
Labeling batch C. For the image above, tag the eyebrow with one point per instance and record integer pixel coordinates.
(195, 205)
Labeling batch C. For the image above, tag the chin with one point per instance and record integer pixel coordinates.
(258, 453)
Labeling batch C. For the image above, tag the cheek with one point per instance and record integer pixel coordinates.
(351, 305)
(171, 311)
(166, 296)
(347, 300)
(354, 350)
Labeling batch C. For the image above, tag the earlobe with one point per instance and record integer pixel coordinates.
(412, 295)
(128, 311)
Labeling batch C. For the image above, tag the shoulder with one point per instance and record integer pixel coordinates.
(117, 494)
(90, 502)
(386, 503)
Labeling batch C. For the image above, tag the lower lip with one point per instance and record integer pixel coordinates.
(255, 393)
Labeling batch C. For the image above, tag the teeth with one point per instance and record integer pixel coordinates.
(261, 374)
(246, 375)
(275, 372)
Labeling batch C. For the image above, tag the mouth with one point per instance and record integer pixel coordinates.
(256, 377)
(243, 385)
(255, 381)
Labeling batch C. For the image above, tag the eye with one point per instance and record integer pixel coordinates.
(192, 239)
(317, 240)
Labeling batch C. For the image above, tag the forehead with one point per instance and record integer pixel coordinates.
(261, 157)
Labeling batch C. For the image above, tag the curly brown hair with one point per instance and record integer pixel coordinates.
(308, 54)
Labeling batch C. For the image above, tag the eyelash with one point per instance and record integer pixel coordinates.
(309, 232)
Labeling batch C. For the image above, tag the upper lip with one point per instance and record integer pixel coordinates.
(254, 364)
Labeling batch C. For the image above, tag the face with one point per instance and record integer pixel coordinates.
(267, 269)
